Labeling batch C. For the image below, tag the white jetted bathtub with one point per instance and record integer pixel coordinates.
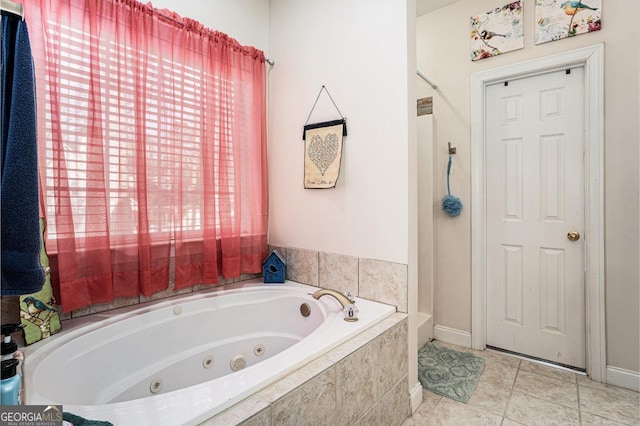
(185, 359)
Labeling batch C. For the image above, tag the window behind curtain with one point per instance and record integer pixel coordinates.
(151, 133)
(173, 134)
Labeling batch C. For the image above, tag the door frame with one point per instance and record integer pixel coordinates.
(592, 59)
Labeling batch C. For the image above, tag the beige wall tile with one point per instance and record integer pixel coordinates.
(338, 272)
(377, 280)
(385, 282)
(292, 381)
(170, 292)
(370, 418)
(356, 384)
(245, 277)
(261, 419)
(392, 352)
(222, 282)
(102, 307)
(350, 346)
(395, 406)
(376, 372)
(312, 404)
(302, 266)
(365, 337)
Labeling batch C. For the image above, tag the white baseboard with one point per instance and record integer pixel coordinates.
(623, 378)
(416, 397)
(453, 336)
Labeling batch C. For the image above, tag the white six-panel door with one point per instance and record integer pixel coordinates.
(534, 205)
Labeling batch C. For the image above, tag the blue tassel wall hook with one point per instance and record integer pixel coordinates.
(451, 205)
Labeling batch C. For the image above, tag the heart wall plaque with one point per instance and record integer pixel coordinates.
(323, 152)
(322, 155)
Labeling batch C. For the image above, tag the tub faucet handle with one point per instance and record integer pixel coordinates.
(350, 313)
(350, 297)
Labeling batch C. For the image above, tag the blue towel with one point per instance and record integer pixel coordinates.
(20, 227)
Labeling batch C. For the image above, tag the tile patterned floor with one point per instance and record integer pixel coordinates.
(513, 391)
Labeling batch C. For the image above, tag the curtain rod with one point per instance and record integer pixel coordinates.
(160, 13)
(12, 7)
(18, 9)
(429, 82)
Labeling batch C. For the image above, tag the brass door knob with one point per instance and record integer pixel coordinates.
(573, 236)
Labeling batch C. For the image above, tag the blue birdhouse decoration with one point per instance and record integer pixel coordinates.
(274, 268)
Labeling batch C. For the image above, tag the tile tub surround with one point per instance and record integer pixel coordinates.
(169, 292)
(132, 301)
(339, 271)
(384, 282)
(378, 280)
(362, 382)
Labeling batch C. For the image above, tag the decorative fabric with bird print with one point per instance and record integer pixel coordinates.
(35, 306)
(38, 311)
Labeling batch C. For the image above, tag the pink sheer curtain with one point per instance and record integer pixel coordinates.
(152, 138)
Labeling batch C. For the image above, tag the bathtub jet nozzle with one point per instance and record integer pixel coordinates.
(348, 304)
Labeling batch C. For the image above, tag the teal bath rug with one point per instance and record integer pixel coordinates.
(448, 372)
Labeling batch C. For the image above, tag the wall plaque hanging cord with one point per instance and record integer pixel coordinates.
(323, 149)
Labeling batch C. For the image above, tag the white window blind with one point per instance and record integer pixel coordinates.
(151, 108)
